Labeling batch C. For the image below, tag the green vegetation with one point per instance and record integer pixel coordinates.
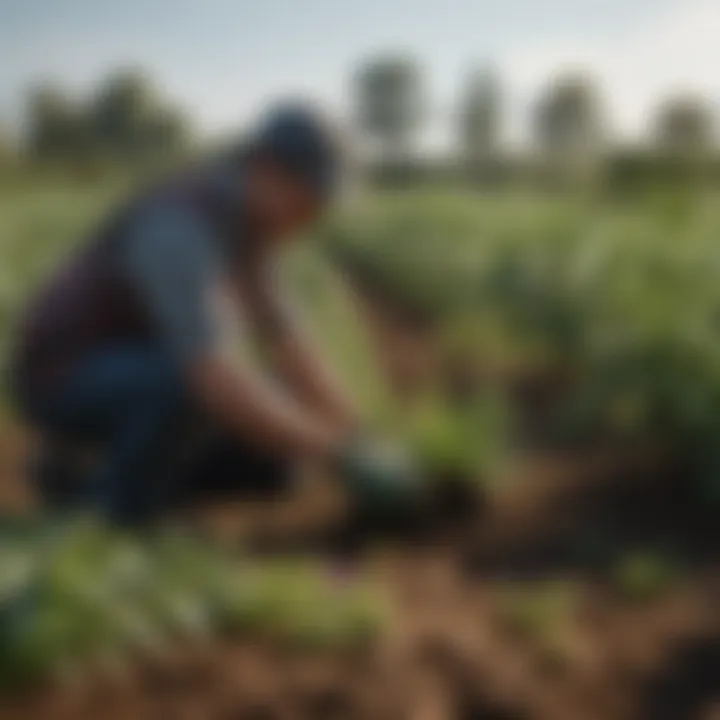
(460, 443)
(644, 575)
(77, 594)
(615, 304)
(541, 613)
(125, 121)
(534, 609)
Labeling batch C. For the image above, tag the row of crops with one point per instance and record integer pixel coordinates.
(467, 442)
(75, 595)
(620, 300)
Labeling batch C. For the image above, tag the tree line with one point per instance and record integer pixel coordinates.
(569, 124)
(126, 119)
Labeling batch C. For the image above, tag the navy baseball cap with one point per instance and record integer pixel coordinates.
(299, 137)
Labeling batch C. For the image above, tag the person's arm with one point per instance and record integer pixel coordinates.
(245, 404)
(172, 260)
(291, 351)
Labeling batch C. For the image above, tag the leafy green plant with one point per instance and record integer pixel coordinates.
(540, 613)
(534, 608)
(643, 576)
(459, 442)
(91, 593)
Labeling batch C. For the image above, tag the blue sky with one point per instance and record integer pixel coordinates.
(224, 58)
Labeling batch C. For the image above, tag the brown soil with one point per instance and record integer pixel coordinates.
(452, 651)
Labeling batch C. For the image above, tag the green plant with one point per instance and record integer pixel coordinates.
(88, 593)
(643, 576)
(459, 442)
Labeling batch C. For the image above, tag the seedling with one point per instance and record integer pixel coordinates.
(643, 576)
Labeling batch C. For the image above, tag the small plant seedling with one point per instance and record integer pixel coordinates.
(534, 609)
(643, 576)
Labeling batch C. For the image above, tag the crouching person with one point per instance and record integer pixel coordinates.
(128, 349)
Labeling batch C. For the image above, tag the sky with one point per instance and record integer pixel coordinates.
(223, 59)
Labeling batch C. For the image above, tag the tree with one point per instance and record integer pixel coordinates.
(480, 118)
(166, 132)
(684, 126)
(121, 111)
(56, 126)
(6, 148)
(130, 120)
(124, 120)
(389, 103)
(569, 126)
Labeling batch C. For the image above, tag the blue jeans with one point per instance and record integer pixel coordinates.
(131, 404)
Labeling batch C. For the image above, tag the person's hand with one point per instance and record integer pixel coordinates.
(382, 476)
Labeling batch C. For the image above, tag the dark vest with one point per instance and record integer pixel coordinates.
(89, 303)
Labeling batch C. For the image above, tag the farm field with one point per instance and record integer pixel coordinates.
(554, 363)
